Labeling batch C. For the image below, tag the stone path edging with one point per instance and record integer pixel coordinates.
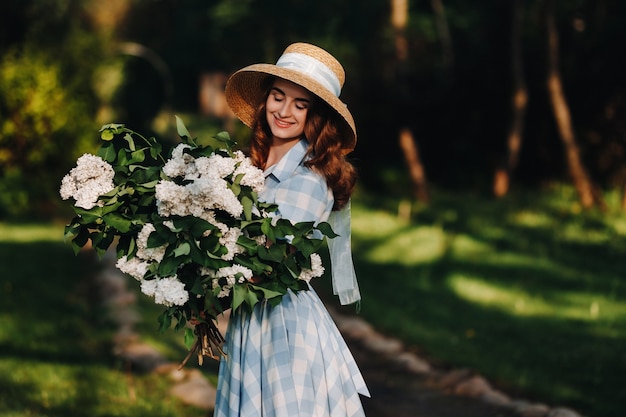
(191, 387)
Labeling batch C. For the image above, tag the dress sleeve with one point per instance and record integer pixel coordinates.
(304, 197)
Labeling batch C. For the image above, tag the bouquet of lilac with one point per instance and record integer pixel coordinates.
(190, 228)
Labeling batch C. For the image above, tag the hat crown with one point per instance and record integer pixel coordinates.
(316, 63)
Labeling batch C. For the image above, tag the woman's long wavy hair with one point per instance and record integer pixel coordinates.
(325, 156)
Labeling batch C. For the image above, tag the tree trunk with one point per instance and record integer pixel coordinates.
(562, 115)
(416, 169)
(519, 101)
(408, 145)
(444, 34)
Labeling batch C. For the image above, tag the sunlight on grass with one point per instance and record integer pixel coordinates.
(529, 218)
(467, 247)
(513, 301)
(31, 232)
(517, 302)
(76, 389)
(410, 247)
(619, 224)
(373, 224)
(402, 245)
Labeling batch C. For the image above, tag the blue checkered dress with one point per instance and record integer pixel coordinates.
(290, 360)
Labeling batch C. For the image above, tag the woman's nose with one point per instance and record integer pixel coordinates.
(283, 111)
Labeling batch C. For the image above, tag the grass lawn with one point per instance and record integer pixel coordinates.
(528, 291)
(55, 339)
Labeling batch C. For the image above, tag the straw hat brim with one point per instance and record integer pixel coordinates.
(245, 90)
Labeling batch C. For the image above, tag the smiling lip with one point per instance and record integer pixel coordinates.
(281, 123)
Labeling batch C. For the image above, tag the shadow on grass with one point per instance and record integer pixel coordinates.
(460, 309)
(48, 306)
(51, 330)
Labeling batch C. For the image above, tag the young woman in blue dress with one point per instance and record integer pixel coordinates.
(290, 360)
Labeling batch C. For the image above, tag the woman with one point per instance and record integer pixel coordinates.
(290, 360)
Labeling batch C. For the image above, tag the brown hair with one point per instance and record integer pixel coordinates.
(325, 151)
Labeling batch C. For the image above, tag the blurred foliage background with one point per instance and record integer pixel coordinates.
(68, 66)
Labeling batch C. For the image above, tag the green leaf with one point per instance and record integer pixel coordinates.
(223, 137)
(326, 230)
(137, 156)
(107, 152)
(235, 188)
(107, 135)
(274, 253)
(80, 240)
(182, 249)
(118, 222)
(89, 216)
(126, 245)
(155, 150)
(182, 129)
(189, 338)
(267, 293)
(165, 321)
(268, 229)
(168, 266)
(122, 158)
(156, 239)
(131, 142)
(240, 294)
(247, 203)
(250, 245)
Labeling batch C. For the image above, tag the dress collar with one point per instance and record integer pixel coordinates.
(284, 168)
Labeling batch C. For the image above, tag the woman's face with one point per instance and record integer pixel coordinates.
(286, 109)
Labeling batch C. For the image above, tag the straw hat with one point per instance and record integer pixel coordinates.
(304, 64)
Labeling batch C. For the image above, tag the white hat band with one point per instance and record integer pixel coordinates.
(313, 68)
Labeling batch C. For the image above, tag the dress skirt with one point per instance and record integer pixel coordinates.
(288, 361)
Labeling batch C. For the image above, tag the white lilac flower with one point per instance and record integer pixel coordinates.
(180, 164)
(170, 291)
(215, 166)
(166, 291)
(260, 240)
(134, 267)
(224, 292)
(214, 193)
(91, 178)
(172, 199)
(229, 240)
(232, 271)
(252, 176)
(143, 251)
(317, 270)
(225, 278)
(205, 271)
(149, 286)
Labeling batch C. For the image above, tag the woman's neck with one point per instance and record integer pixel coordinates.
(278, 149)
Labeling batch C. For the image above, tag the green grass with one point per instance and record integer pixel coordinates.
(55, 339)
(528, 291)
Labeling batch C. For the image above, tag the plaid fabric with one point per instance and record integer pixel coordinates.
(290, 360)
(301, 194)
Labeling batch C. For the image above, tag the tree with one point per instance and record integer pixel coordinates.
(399, 17)
(519, 101)
(588, 196)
